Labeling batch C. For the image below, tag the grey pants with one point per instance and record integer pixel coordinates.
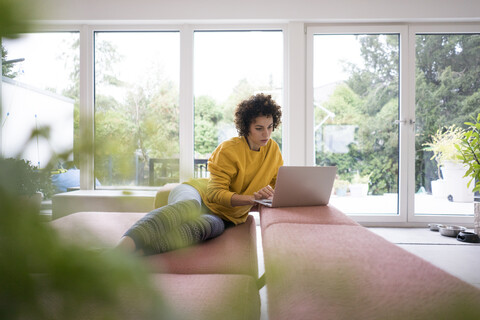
(184, 221)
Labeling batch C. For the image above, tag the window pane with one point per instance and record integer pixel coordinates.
(136, 108)
(356, 104)
(230, 66)
(40, 88)
(447, 95)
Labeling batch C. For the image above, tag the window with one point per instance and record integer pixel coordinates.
(230, 66)
(446, 96)
(375, 97)
(40, 88)
(136, 108)
(356, 103)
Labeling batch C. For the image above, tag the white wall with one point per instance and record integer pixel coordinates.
(25, 108)
(266, 10)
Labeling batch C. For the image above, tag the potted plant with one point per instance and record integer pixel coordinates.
(443, 145)
(23, 180)
(451, 182)
(469, 155)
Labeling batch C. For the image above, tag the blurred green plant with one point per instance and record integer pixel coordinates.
(443, 145)
(469, 149)
(360, 179)
(20, 177)
(41, 276)
(14, 17)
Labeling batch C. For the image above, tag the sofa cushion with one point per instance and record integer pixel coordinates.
(199, 297)
(232, 252)
(210, 296)
(345, 271)
(67, 203)
(304, 215)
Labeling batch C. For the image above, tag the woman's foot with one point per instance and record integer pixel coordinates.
(127, 244)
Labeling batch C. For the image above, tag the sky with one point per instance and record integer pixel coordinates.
(329, 53)
(222, 59)
(41, 52)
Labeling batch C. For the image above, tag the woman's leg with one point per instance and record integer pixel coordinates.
(204, 227)
(184, 221)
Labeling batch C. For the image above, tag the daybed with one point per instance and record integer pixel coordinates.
(320, 264)
(213, 280)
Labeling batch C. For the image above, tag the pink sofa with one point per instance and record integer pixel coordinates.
(213, 280)
(320, 264)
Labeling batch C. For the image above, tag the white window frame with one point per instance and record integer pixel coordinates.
(445, 28)
(285, 106)
(405, 127)
(297, 122)
(87, 90)
(406, 215)
(186, 98)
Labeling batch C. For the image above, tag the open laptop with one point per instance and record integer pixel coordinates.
(302, 186)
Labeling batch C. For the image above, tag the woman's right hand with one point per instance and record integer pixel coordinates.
(244, 200)
(264, 193)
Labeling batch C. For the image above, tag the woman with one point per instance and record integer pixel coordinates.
(242, 170)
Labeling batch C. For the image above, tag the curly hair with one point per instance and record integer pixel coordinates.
(253, 107)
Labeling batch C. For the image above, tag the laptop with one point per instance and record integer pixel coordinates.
(302, 186)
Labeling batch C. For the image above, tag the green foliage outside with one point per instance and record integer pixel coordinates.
(208, 117)
(469, 152)
(6, 68)
(447, 93)
(368, 101)
(211, 117)
(145, 125)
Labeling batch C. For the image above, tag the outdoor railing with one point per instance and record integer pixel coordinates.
(162, 171)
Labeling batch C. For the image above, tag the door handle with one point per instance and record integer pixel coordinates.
(410, 121)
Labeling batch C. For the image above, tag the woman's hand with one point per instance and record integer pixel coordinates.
(244, 200)
(264, 193)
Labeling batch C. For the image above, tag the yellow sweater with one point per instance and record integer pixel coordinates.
(234, 168)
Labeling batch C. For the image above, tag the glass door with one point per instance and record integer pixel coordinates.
(446, 96)
(356, 110)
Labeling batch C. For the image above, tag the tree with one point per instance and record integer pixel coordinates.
(368, 100)
(208, 115)
(244, 90)
(447, 90)
(7, 68)
(144, 126)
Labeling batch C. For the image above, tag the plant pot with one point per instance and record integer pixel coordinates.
(456, 184)
(358, 189)
(476, 217)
